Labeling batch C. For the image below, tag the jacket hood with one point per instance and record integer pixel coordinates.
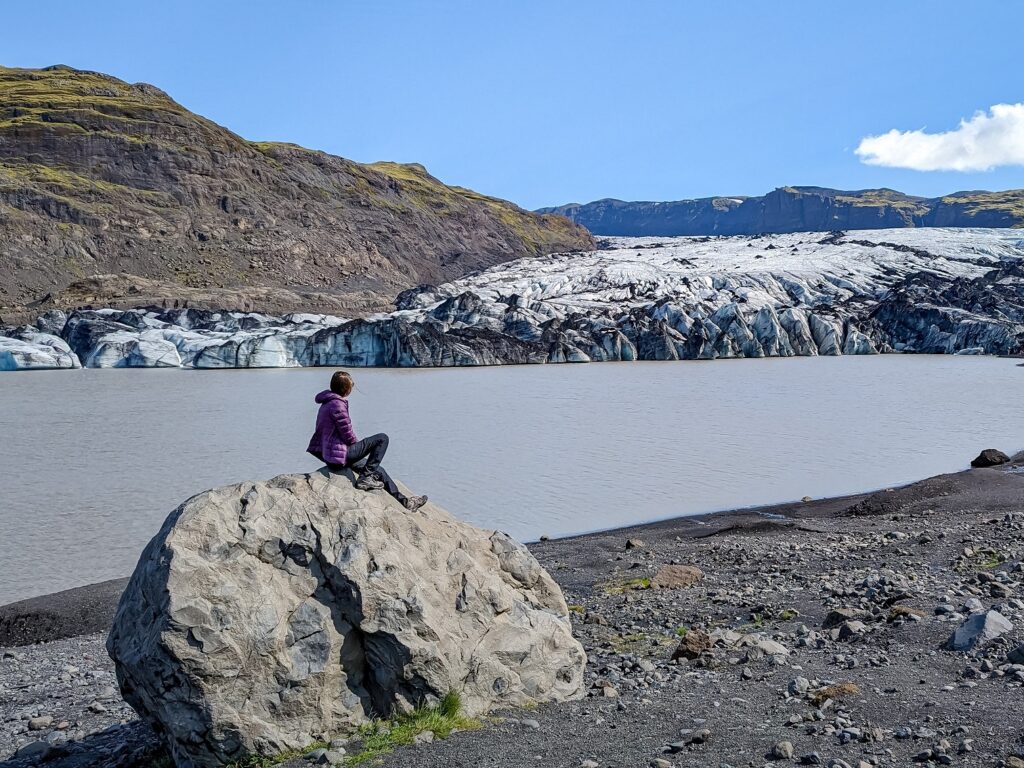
(326, 395)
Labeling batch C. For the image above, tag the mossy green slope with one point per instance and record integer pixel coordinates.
(101, 176)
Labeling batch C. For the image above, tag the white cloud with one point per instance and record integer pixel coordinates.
(981, 143)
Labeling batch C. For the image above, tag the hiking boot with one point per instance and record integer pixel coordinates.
(414, 502)
(368, 481)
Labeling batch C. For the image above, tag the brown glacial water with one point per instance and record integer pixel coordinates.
(92, 461)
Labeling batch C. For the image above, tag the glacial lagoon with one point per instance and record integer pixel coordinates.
(92, 461)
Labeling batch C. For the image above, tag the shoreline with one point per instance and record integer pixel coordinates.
(515, 364)
(90, 608)
(815, 630)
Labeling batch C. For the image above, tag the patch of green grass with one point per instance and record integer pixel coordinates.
(628, 643)
(885, 198)
(903, 612)
(65, 102)
(381, 737)
(836, 692)
(681, 631)
(1010, 201)
(574, 608)
(788, 614)
(639, 643)
(442, 720)
(65, 179)
(756, 622)
(617, 587)
(980, 561)
(258, 761)
(423, 191)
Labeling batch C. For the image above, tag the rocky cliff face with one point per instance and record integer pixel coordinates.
(101, 177)
(797, 209)
(267, 616)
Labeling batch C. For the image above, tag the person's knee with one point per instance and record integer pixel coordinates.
(382, 439)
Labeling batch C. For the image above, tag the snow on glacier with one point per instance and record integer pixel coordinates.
(769, 269)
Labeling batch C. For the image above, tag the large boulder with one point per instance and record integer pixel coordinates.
(978, 630)
(990, 457)
(265, 616)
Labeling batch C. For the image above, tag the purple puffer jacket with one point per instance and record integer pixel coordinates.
(334, 433)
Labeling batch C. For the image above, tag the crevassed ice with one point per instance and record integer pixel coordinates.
(638, 298)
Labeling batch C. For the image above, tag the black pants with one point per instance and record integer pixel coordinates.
(372, 450)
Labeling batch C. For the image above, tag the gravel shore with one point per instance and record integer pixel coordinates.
(814, 633)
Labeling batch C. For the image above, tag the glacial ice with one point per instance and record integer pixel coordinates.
(27, 349)
(909, 290)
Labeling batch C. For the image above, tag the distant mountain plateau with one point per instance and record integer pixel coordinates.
(796, 209)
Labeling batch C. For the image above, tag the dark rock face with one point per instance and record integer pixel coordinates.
(990, 457)
(101, 177)
(796, 209)
(930, 314)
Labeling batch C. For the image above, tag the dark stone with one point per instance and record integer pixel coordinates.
(841, 616)
(693, 644)
(990, 457)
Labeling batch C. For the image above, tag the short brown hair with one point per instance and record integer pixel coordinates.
(341, 383)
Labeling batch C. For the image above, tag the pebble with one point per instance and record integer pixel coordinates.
(315, 755)
(40, 723)
(799, 686)
(974, 605)
(56, 738)
(783, 751)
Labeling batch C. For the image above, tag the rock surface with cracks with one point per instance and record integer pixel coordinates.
(267, 615)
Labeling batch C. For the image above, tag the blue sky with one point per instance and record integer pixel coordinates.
(552, 102)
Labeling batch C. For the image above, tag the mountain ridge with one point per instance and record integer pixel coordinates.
(99, 177)
(795, 209)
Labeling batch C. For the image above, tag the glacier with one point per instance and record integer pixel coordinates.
(949, 291)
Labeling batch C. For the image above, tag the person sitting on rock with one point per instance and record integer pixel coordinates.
(334, 442)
